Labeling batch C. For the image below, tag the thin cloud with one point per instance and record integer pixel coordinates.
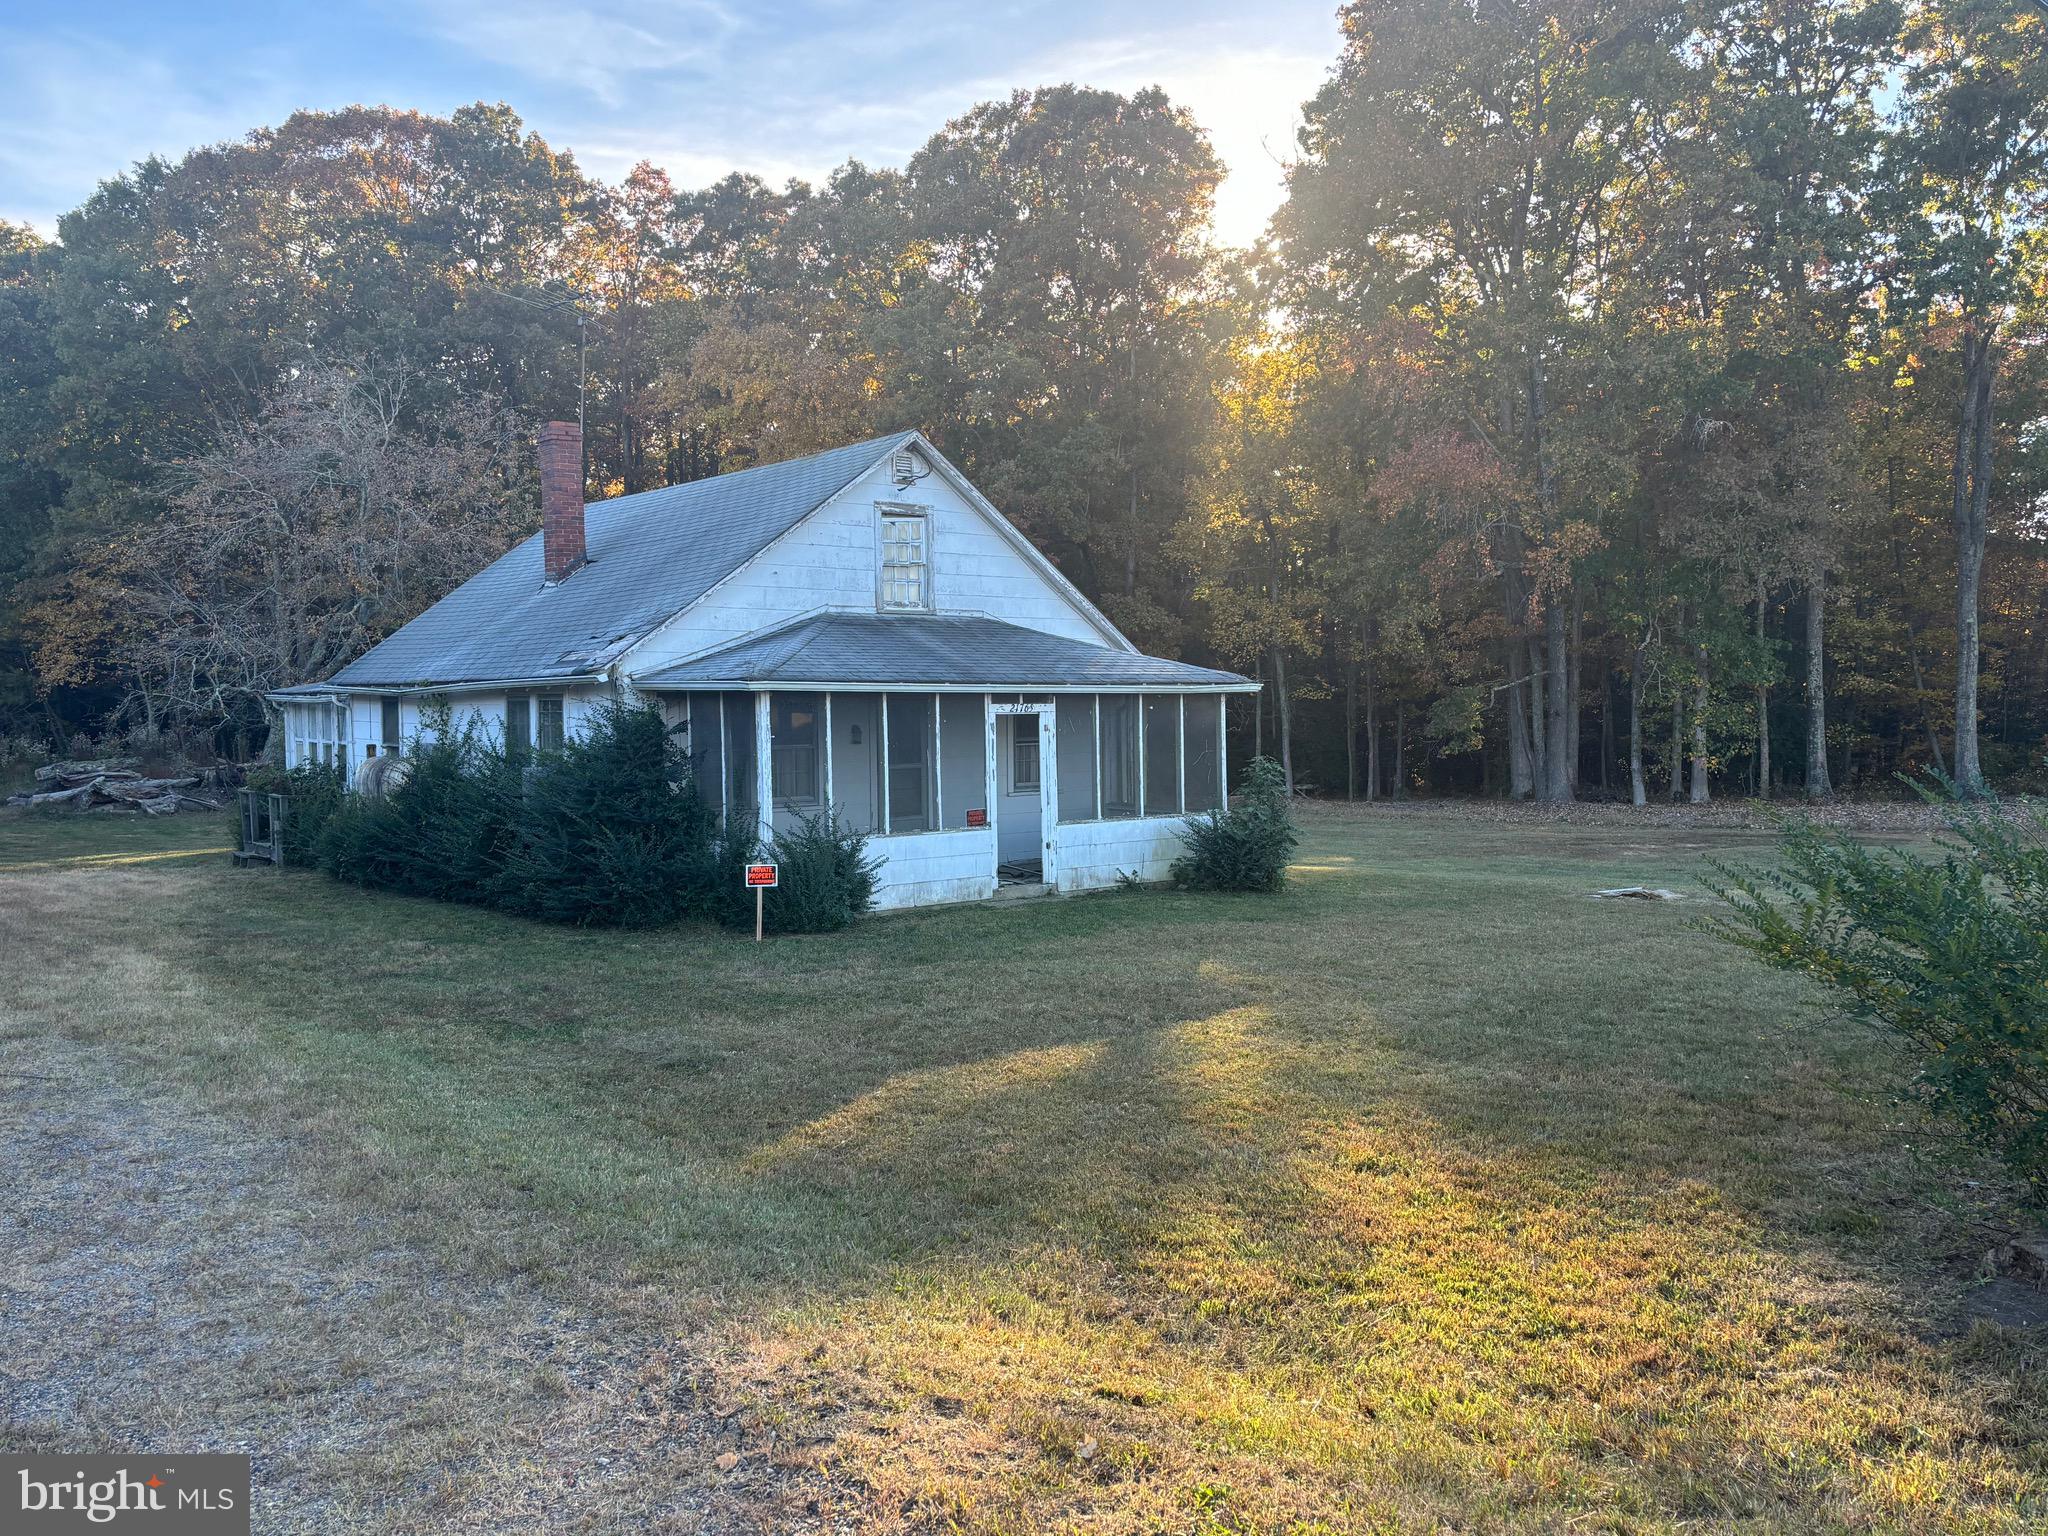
(692, 85)
(598, 49)
(84, 110)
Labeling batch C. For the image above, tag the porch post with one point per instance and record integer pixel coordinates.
(988, 761)
(1047, 726)
(825, 789)
(1095, 712)
(1143, 808)
(764, 766)
(1180, 789)
(1223, 750)
(938, 781)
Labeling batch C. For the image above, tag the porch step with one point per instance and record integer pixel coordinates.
(1021, 890)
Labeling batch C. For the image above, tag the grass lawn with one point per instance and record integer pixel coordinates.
(1429, 1194)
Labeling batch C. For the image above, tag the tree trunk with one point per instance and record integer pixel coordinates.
(1763, 706)
(1539, 720)
(1400, 784)
(1677, 773)
(1521, 760)
(1606, 730)
(1638, 791)
(1971, 475)
(1849, 743)
(1559, 729)
(1926, 718)
(1259, 715)
(1575, 661)
(1700, 792)
(1351, 730)
(1372, 731)
(1286, 711)
(1913, 654)
(1817, 786)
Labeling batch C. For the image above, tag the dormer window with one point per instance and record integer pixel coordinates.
(906, 561)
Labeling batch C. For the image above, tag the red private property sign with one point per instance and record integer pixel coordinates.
(759, 878)
(978, 817)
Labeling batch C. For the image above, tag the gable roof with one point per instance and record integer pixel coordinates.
(931, 650)
(651, 555)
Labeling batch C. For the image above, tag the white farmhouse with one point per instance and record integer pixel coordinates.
(859, 630)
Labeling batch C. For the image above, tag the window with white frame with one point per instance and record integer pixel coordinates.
(319, 734)
(906, 561)
(549, 722)
(1023, 755)
(794, 735)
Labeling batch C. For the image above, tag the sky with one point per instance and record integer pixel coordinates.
(700, 87)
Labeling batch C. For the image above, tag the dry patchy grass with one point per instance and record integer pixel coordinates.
(1428, 1194)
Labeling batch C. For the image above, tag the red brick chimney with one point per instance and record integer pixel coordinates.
(561, 498)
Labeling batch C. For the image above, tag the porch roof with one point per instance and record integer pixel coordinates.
(871, 650)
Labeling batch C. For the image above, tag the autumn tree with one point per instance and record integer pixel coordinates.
(1061, 334)
(1458, 167)
(30, 486)
(295, 541)
(1253, 538)
(1972, 167)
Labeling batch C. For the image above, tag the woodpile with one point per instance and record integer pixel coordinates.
(118, 784)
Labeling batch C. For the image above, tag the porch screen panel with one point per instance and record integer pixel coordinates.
(857, 760)
(796, 726)
(1074, 724)
(912, 757)
(963, 758)
(707, 762)
(1204, 735)
(1162, 754)
(1119, 756)
(741, 791)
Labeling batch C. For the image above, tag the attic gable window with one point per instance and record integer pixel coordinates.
(906, 562)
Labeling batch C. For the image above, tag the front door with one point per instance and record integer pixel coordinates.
(1019, 832)
(1024, 749)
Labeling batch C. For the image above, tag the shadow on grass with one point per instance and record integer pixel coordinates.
(1427, 1173)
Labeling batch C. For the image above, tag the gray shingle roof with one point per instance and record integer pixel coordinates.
(651, 556)
(850, 649)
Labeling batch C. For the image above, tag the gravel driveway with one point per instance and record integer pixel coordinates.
(168, 1283)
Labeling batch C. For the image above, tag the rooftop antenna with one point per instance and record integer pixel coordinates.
(583, 306)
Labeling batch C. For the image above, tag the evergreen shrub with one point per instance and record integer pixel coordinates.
(1241, 847)
(826, 878)
(1947, 955)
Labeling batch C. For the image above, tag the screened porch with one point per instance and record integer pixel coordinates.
(896, 763)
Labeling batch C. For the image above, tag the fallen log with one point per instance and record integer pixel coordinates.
(81, 769)
(143, 789)
(78, 793)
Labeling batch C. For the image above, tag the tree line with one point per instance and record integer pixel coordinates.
(1627, 399)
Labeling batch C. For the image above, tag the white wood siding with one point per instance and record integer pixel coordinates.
(1094, 854)
(831, 560)
(921, 869)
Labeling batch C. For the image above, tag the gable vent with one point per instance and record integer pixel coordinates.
(903, 465)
